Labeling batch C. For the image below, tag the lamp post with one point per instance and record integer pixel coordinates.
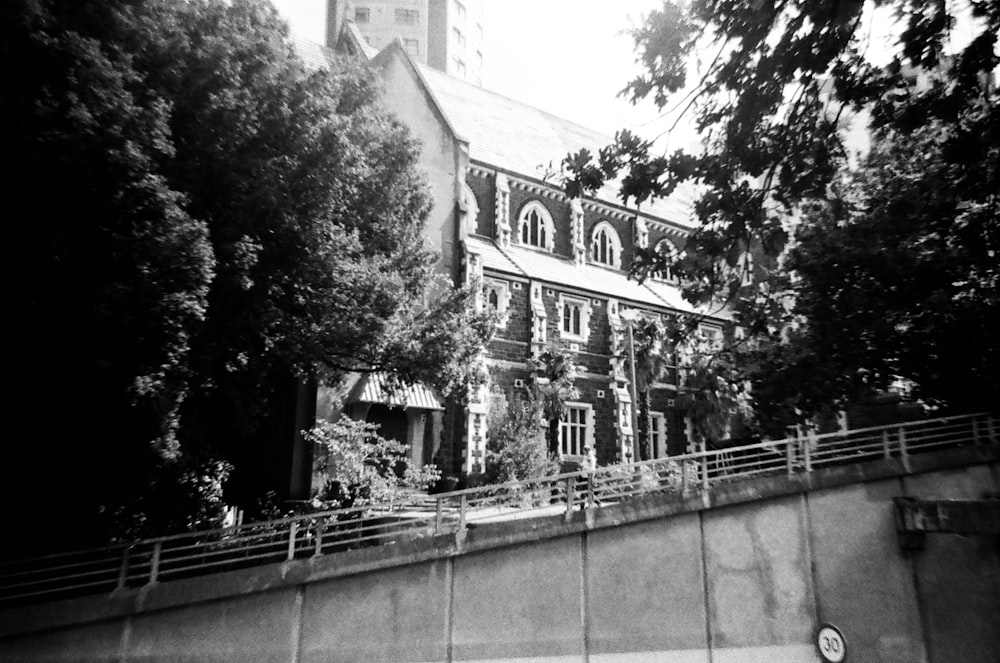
(630, 316)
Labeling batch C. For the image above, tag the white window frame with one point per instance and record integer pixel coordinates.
(584, 306)
(546, 232)
(580, 444)
(412, 45)
(502, 290)
(605, 238)
(658, 434)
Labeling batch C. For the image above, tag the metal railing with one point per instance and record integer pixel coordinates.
(195, 553)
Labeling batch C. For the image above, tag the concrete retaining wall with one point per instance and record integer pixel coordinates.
(749, 579)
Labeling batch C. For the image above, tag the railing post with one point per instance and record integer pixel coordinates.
(704, 471)
(989, 428)
(591, 498)
(123, 570)
(462, 506)
(903, 452)
(975, 431)
(684, 477)
(292, 531)
(438, 506)
(154, 563)
(886, 447)
(790, 456)
(807, 451)
(320, 526)
(570, 493)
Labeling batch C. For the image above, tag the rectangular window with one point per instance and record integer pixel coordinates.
(573, 430)
(574, 323)
(658, 434)
(459, 37)
(459, 66)
(460, 10)
(712, 335)
(412, 46)
(362, 14)
(407, 16)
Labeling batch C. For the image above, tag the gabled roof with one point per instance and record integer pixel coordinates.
(503, 133)
(529, 263)
(519, 139)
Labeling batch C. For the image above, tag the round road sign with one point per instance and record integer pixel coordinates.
(830, 641)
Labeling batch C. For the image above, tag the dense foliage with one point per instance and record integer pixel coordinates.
(515, 450)
(359, 467)
(769, 86)
(201, 223)
(553, 384)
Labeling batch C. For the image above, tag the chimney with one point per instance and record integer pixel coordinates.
(335, 11)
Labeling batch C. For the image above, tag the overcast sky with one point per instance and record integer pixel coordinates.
(567, 57)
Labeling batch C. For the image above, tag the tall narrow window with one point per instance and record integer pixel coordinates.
(658, 434)
(605, 245)
(574, 429)
(536, 226)
(667, 249)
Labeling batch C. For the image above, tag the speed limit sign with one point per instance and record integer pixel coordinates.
(830, 641)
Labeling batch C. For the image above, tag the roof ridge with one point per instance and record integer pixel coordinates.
(562, 119)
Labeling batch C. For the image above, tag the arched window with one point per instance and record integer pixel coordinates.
(605, 246)
(535, 226)
(666, 248)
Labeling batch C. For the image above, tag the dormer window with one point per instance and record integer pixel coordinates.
(535, 227)
(605, 246)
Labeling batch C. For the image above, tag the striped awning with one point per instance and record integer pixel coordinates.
(372, 389)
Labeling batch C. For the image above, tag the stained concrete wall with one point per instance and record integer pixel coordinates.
(748, 574)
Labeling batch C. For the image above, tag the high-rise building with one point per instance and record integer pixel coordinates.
(444, 34)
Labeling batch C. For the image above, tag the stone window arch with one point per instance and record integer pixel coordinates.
(606, 245)
(535, 227)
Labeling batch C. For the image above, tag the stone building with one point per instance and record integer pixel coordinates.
(554, 268)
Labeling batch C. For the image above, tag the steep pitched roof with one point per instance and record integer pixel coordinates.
(524, 140)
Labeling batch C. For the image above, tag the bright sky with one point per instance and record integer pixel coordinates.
(567, 57)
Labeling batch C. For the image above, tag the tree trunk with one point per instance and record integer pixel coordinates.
(645, 439)
(553, 437)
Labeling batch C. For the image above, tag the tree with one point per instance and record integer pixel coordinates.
(553, 375)
(898, 274)
(359, 467)
(769, 98)
(653, 359)
(203, 222)
(514, 450)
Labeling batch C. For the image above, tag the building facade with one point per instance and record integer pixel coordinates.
(444, 34)
(555, 269)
